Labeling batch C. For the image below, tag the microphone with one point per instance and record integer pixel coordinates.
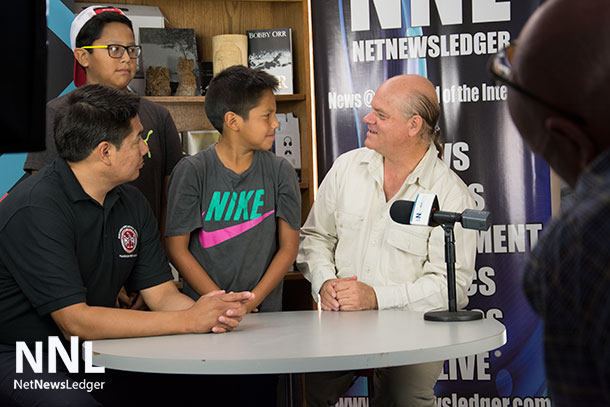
(400, 212)
(424, 211)
(427, 213)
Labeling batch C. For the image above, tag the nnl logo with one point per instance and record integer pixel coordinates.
(56, 347)
(389, 12)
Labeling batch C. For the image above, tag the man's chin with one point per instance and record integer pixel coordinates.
(135, 177)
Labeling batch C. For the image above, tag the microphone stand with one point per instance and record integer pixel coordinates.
(452, 314)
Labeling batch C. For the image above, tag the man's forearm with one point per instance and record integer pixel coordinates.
(315, 259)
(166, 297)
(216, 311)
(104, 323)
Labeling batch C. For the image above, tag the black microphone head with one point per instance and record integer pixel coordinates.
(400, 212)
(477, 220)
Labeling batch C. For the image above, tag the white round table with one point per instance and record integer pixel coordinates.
(304, 341)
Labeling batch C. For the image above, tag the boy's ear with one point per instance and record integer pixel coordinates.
(233, 121)
(82, 56)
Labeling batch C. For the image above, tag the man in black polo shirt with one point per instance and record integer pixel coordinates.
(71, 236)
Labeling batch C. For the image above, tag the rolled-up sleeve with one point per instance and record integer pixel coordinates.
(316, 257)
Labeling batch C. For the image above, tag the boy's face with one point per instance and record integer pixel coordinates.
(113, 72)
(258, 132)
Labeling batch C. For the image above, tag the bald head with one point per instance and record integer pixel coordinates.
(406, 84)
(415, 94)
(563, 56)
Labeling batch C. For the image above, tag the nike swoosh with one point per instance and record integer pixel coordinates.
(209, 239)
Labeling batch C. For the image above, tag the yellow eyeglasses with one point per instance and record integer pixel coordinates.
(117, 50)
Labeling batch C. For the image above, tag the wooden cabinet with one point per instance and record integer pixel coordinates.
(213, 17)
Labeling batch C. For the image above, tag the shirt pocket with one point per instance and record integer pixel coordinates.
(349, 226)
(407, 252)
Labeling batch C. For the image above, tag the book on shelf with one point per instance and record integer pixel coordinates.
(271, 51)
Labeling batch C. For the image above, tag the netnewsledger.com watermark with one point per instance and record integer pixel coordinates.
(70, 361)
(66, 384)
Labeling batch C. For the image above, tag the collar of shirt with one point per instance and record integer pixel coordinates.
(597, 173)
(73, 188)
(422, 174)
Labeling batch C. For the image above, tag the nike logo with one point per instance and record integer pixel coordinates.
(209, 239)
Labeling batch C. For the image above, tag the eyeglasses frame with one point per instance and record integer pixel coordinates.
(124, 47)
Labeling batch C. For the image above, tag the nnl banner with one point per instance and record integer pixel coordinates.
(360, 43)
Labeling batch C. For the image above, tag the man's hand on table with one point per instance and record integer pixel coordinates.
(353, 295)
(347, 294)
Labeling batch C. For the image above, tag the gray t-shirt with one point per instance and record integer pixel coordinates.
(232, 218)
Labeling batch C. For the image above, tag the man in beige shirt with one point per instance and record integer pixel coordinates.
(357, 258)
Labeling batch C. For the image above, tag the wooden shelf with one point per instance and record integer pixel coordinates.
(175, 99)
(201, 99)
(267, 1)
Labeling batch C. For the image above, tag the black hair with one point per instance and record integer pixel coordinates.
(92, 114)
(92, 30)
(237, 89)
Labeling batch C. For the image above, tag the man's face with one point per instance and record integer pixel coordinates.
(258, 132)
(128, 159)
(387, 124)
(113, 72)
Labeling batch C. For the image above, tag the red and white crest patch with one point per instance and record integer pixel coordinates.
(129, 238)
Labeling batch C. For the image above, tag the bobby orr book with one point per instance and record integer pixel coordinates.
(271, 51)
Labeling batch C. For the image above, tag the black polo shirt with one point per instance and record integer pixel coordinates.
(60, 247)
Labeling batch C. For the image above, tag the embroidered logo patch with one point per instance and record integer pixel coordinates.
(129, 238)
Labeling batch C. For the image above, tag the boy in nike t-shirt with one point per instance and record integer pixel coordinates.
(234, 209)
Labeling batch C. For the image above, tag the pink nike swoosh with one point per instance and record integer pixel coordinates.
(209, 239)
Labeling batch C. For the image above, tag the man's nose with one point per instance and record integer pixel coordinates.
(143, 147)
